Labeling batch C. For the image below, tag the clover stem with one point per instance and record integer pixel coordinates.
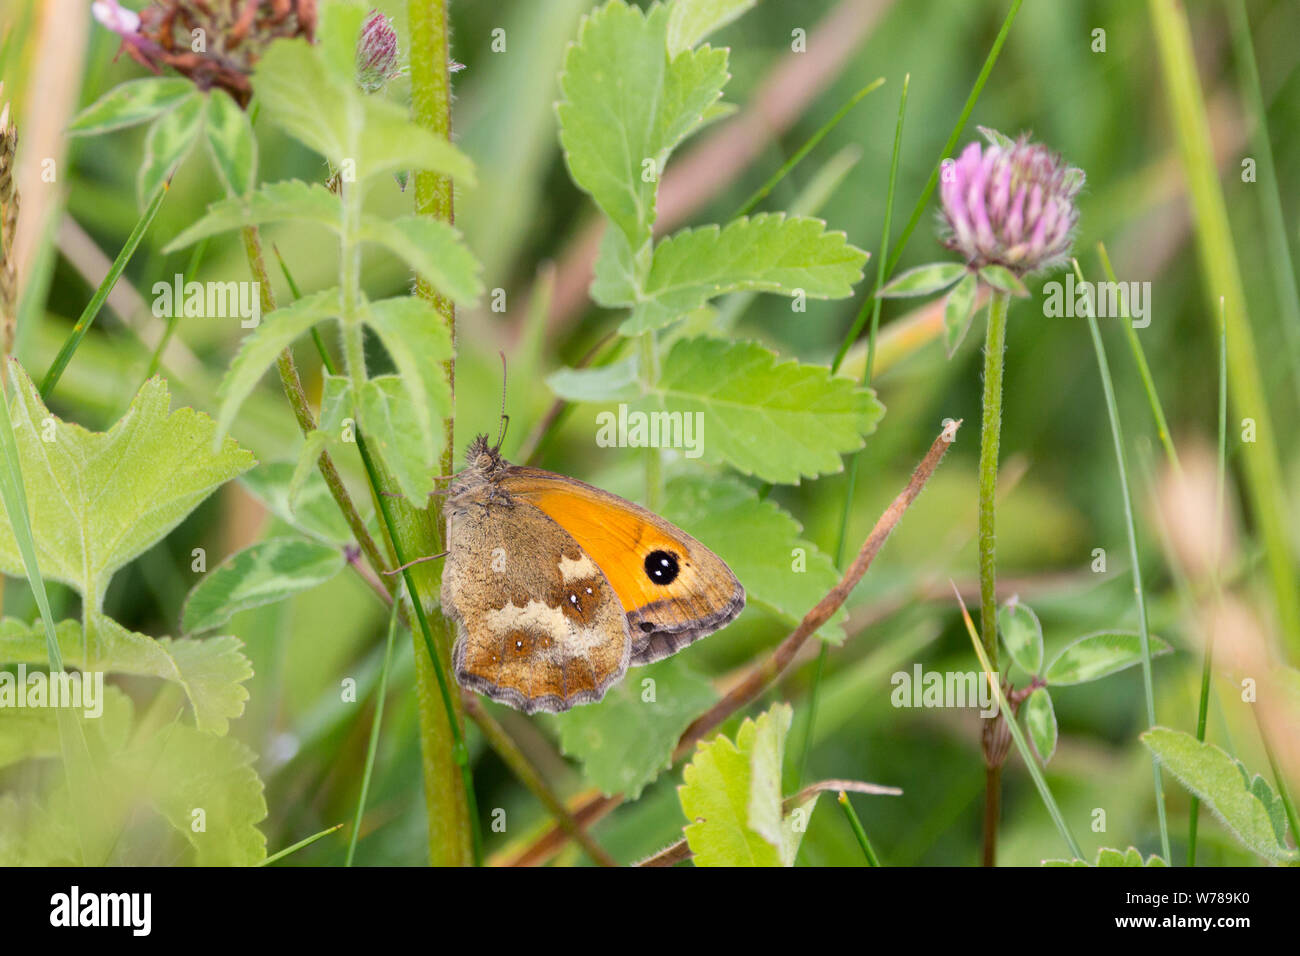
(990, 433)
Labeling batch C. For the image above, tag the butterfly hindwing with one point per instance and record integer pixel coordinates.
(538, 625)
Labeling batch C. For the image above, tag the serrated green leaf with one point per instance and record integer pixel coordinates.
(173, 773)
(274, 334)
(922, 280)
(627, 740)
(1247, 807)
(231, 143)
(776, 420)
(765, 253)
(170, 140)
(309, 508)
(263, 573)
(731, 794)
(690, 21)
(615, 382)
(310, 101)
(288, 201)
(1040, 718)
(958, 310)
(98, 499)
(626, 106)
(184, 770)
(762, 544)
(1003, 279)
(392, 430)
(1097, 655)
(130, 103)
(28, 733)
(211, 671)
(419, 344)
(1022, 635)
(433, 249)
(1109, 857)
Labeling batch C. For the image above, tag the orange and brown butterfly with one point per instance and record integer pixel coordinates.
(557, 587)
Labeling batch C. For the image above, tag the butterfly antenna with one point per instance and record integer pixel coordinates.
(505, 419)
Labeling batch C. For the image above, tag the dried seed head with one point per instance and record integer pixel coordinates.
(1010, 204)
(216, 43)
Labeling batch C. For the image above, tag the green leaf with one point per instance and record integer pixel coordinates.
(783, 573)
(996, 137)
(1097, 655)
(392, 428)
(1022, 635)
(433, 249)
(1003, 279)
(626, 105)
(264, 344)
(419, 344)
(958, 310)
(690, 21)
(766, 253)
(1109, 857)
(169, 141)
(288, 201)
(310, 101)
(776, 420)
(627, 740)
(264, 573)
(1040, 718)
(923, 280)
(1248, 807)
(731, 794)
(98, 499)
(231, 143)
(184, 769)
(211, 672)
(130, 103)
(615, 382)
(309, 508)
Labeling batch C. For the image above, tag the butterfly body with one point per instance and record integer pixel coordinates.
(556, 586)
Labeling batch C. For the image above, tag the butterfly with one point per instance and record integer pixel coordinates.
(557, 587)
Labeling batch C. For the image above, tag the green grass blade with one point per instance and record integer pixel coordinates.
(101, 294)
(276, 857)
(815, 693)
(897, 253)
(1130, 527)
(1221, 270)
(14, 495)
(1282, 266)
(191, 270)
(762, 192)
(861, 834)
(374, 735)
(1144, 370)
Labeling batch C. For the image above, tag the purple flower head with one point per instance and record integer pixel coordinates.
(376, 53)
(1010, 204)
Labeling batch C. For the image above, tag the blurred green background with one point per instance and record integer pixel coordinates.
(1103, 111)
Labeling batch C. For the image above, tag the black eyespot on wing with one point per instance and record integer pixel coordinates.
(647, 626)
(661, 567)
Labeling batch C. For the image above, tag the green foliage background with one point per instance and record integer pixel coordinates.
(1105, 112)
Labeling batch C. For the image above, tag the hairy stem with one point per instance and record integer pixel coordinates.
(453, 839)
(990, 433)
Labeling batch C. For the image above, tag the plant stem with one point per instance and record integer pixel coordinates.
(453, 833)
(1117, 435)
(995, 343)
(293, 390)
(858, 832)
